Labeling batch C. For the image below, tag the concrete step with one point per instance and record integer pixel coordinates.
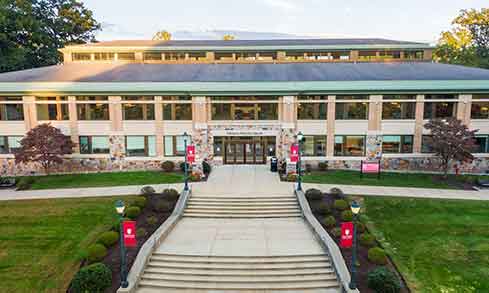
(154, 263)
(238, 286)
(233, 207)
(243, 199)
(238, 279)
(241, 216)
(240, 272)
(244, 204)
(241, 211)
(240, 259)
(185, 290)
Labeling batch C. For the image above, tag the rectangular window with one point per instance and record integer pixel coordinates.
(81, 56)
(413, 54)
(93, 110)
(367, 55)
(152, 56)
(294, 55)
(389, 54)
(352, 111)
(126, 56)
(9, 144)
(94, 145)
(314, 146)
(223, 56)
(312, 111)
(434, 110)
(244, 111)
(349, 145)
(104, 56)
(174, 145)
(480, 110)
(196, 56)
(140, 146)
(55, 111)
(398, 110)
(397, 144)
(341, 55)
(481, 145)
(177, 111)
(221, 111)
(11, 112)
(136, 111)
(174, 56)
(426, 144)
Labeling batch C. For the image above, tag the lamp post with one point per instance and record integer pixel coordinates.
(355, 209)
(300, 137)
(120, 207)
(185, 137)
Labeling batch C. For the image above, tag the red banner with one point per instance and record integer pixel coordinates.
(129, 228)
(190, 154)
(370, 167)
(294, 153)
(346, 234)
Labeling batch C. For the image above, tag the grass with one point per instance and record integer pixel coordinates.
(42, 241)
(438, 245)
(387, 179)
(105, 179)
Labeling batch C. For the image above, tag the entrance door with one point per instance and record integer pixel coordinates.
(240, 153)
(244, 150)
(249, 153)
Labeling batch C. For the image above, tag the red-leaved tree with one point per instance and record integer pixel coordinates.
(450, 140)
(45, 145)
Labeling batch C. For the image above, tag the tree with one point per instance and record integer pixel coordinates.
(45, 145)
(32, 31)
(468, 41)
(450, 140)
(162, 36)
(228, 37)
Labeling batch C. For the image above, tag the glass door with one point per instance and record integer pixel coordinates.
(259, 153)
(230, 153)
(249, 153)
(240, 153)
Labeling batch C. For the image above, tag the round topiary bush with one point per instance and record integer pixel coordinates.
(382, 280)
(336, 192)
(24, 183)
(313, 194)
(291, 177)
(329, 221)
(323, 166)
(206, 168)
(152, 220)
(336, 232)
(346, 216)
(96, 252)
(133, 212)
(140, 232)
(322, 208)
(168, 166)
(377, 256)
(340, 204)
(117, 224)
(163, 206)
(108, 238)
(140, 202)
(171, 194)
(148, 190)
(94, 278)
(367, 239)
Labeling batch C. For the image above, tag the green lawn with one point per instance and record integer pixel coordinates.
(439, 245)
(42, 241)
(386, 179)
(105, 179)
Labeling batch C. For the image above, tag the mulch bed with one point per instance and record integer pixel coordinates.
(362, 252)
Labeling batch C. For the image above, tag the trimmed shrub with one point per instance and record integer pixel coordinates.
(117, 225)
(336, 192)
(24, 183)
(168, 166)
(346, 216)
(377, 256)
(308, 168)
(206, 168)
(382, 280)
(367, 239)
(340, 204)
(94, 278)
(133, 212)
(336, 232)
(152, 220)
(194, 177)
(323, 209)
(291, 177)
(323, 166)
(140, 202)
(313, 194)
(148, 190)
(140, 232)
(163, 206)
(329, 221)
(96, 252)
(171, 194)
(108, 238)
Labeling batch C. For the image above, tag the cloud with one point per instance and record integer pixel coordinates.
(282, 4)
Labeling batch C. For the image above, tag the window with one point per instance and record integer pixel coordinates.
(426, 144)
(349, 145)
(221, 112)
(398, 110)
(313, 111)
(267, 56)
(397, 144)
(152, 56)
(413, 54)
(137, 111)
(481, 144)
(294, 55)
(126, 56)
(55, 111)
(218, 146)
(175, 145)
(480, 110)
(9, 144)
(341, 55)
(11, 112)
(314, 146)
(196, 56)
(81, 56)
(367, 55)
(93, 110)
(224, 56)
(270, 144)
(389, 54)
(433, 110)
(177, 111)
(140, 146)
(94, 145)
(244, 111)
(104, 56)
(352, 110)
(174, 56)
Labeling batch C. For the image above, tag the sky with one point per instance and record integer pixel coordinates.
(413, 20)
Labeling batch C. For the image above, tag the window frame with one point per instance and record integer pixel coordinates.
(90, 144)
(364, 147)
(146, 141)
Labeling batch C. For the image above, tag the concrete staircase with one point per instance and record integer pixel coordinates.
(187, 273)
(242, 207)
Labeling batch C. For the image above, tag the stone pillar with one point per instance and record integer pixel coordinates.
(419, 124)
(353, 55)
(210, 56)
(281, 55)
(115, 113)
(200, 133)
(331, 126)
(375, 113)
(67, 57)
(73, 114)
(464, 107)
(159, 127)
(30, 112)
(138, 56)
(428, 55)
(116, 139)
(288, 123)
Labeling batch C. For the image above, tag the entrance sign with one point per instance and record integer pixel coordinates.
(129, 228)
(191, 154)
(369, 167)
(346, 234)
(294, 153)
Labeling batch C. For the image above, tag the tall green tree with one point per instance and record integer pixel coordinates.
(32, 31)
(467, 43)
